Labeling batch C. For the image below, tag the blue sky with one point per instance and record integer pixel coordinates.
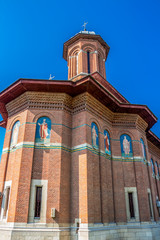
(32, 34)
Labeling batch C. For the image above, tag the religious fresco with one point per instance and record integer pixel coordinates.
(126, 146)
(157, 170)
(153, 169)
(107, 144)
(15, 131)
(143, 149)
(95, 137)
(43, 131)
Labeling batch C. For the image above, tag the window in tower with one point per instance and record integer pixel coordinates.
(132, 209)
(77, 64)
(99, 63)
(150, 203)
(38, 202)
(131, 205)
(88, 61)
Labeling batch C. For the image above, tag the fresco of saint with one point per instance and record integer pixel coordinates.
(43, 130)
(143, 149)
(107, 142)
(15, 132)
(126, 146)
(95, 139)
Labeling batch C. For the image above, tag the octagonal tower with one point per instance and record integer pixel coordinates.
(85, 53)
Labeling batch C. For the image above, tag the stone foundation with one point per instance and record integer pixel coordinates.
(95, 232)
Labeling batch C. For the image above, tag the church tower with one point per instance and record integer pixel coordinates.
(85, 54)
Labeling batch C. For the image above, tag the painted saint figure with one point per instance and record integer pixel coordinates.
(15, 134)
(106, 142)
(43, 129)
(126, 145)
(143, 149)
(94, 136)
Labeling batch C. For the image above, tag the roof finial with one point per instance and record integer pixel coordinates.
(84, 25)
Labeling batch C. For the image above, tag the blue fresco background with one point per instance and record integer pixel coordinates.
(144, 147)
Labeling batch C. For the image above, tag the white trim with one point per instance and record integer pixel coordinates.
(6, 185)
(34, 184)
(150, 204)
(132, 190)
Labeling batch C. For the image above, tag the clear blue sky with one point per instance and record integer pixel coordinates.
(32, 34)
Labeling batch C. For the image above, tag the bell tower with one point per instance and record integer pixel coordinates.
(85, 53)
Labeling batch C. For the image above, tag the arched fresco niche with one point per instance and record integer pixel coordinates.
(157, 170)
(143, 149)
(95, 136)
(107, 144)
(153, 169)
(126, 146)
(14, 136)
(43, 131)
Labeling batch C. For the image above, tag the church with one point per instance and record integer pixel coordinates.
(79, 162)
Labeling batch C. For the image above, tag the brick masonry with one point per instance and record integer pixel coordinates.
(84, 185)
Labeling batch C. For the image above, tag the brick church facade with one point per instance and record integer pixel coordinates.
(79, 161)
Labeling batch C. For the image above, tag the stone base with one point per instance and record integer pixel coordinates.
(138, 231)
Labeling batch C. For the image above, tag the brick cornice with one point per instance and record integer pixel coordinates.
(40, 100)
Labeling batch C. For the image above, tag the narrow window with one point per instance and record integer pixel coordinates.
(77, 229)
(77, 64)
(131, 206)
(150, 205)
(38, 202)
(6, 203)
(88, 61)
(99, 62)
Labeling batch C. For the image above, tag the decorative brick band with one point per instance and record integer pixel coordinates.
(77, 148)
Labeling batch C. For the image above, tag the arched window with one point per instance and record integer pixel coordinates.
(76, 64)
(95, 136)
(43, 131)
(126, 145)
(88, 62)
(107, 144)
(153, 169)
(14, 136)
(143, 149)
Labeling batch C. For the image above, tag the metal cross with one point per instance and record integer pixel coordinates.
(84, 25)
(50, 77)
